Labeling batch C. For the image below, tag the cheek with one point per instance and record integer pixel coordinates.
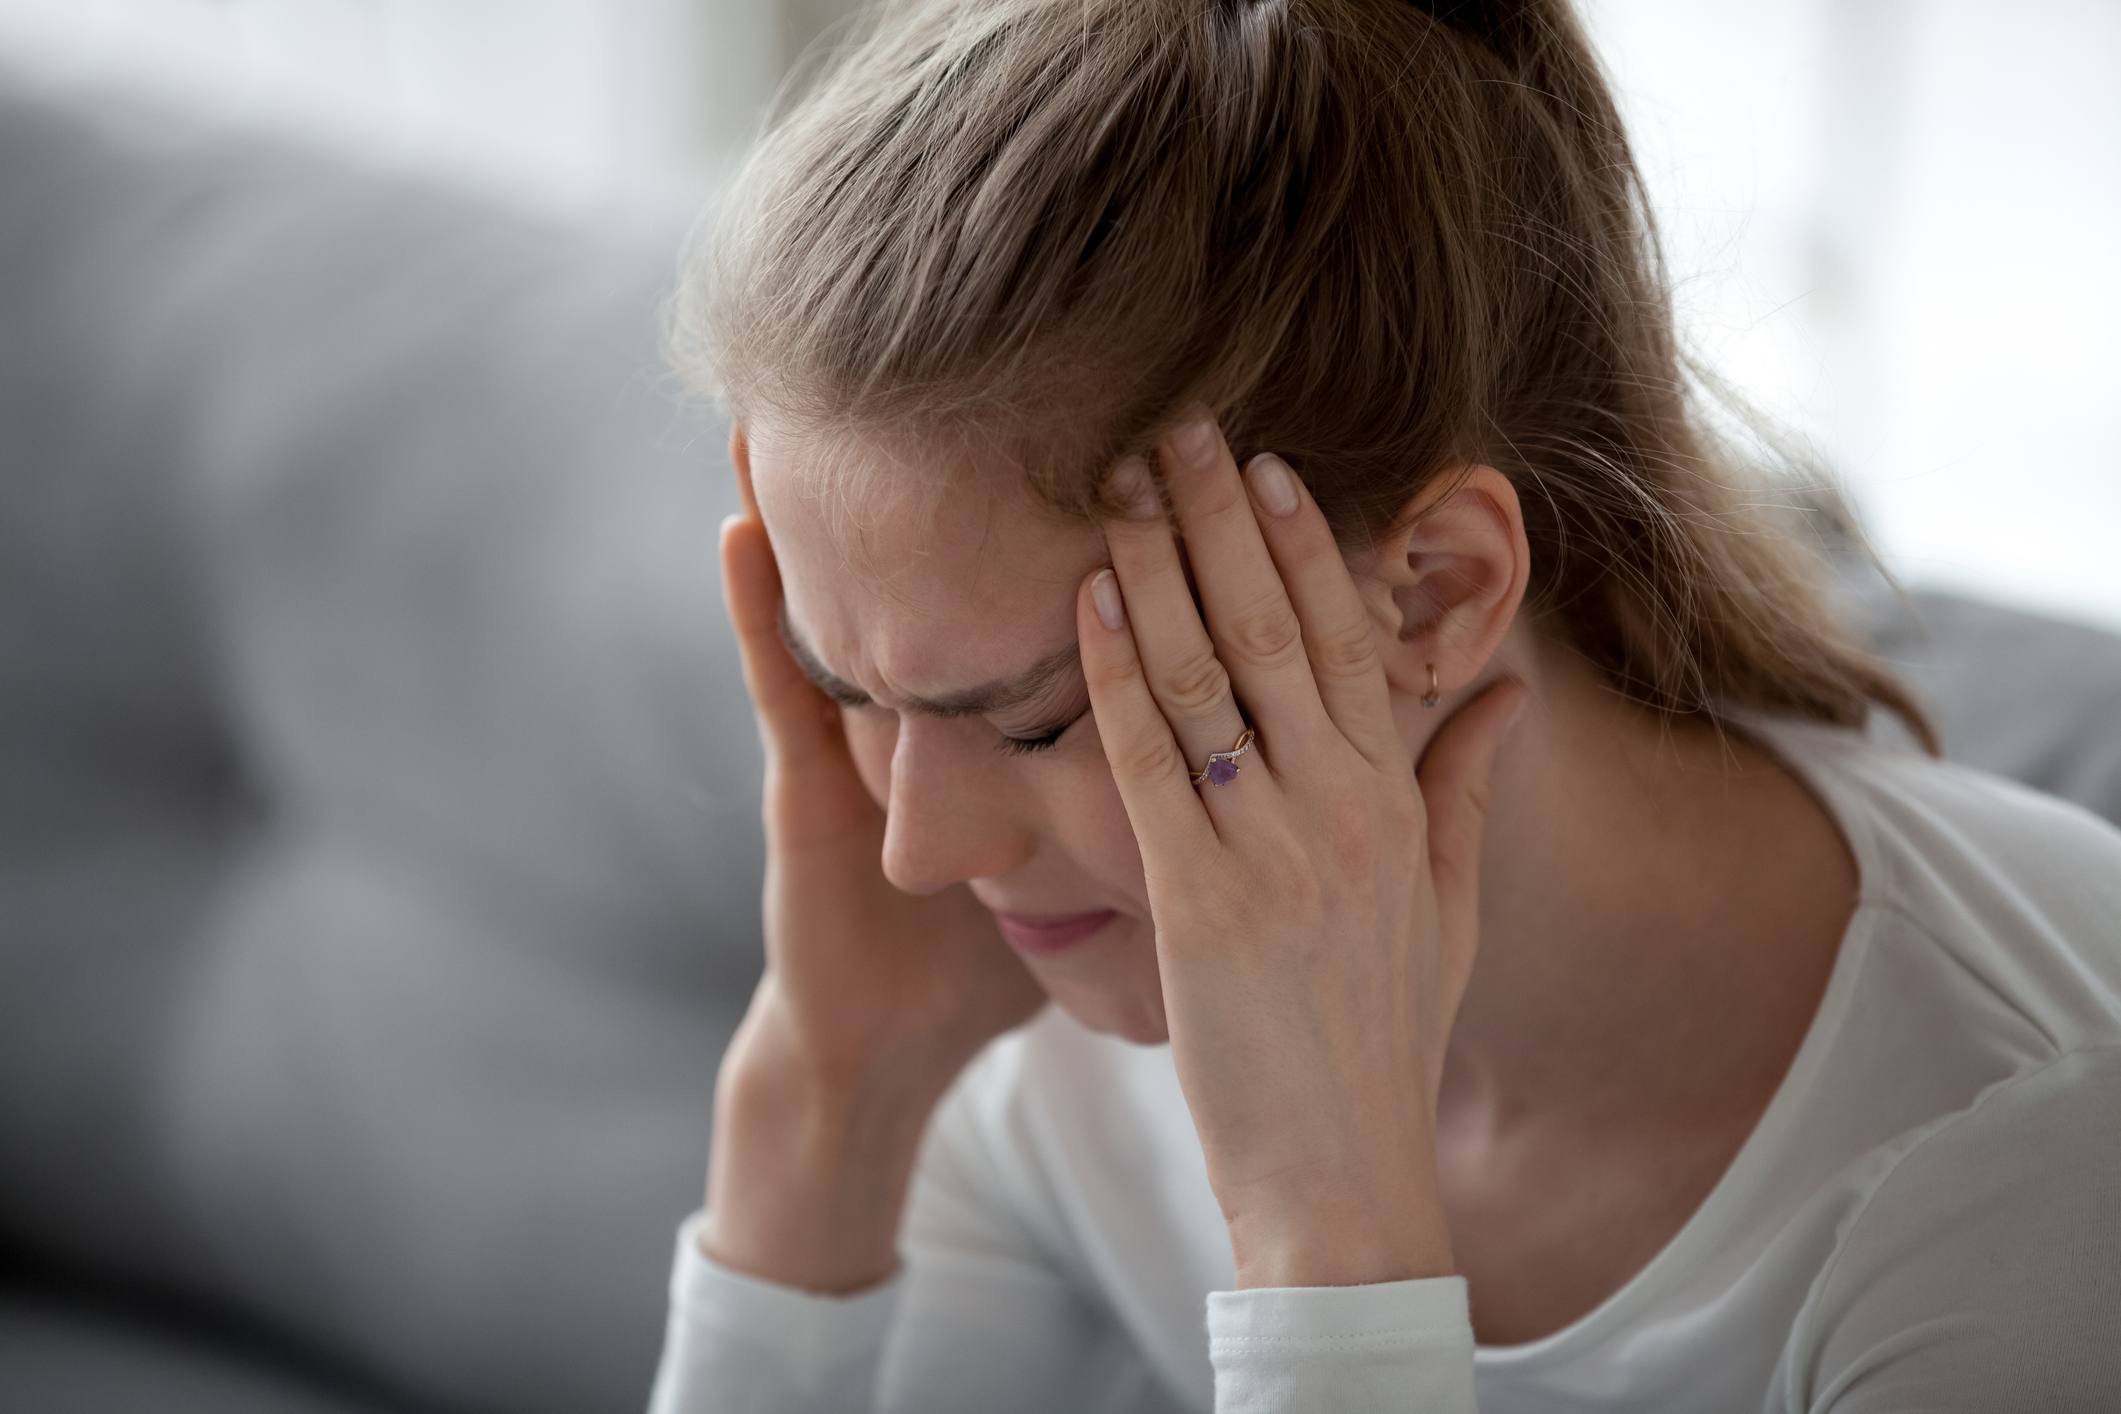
(1086, 813)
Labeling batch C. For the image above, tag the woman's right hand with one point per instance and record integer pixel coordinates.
(871, 1002)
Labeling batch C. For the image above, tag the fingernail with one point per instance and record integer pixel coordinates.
(1136, 491)
(1273, 484)
(1195, 442)
(1104, 592)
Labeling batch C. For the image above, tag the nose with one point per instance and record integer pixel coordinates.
(950, 817)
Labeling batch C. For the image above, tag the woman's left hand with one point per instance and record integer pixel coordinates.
(1317, 915)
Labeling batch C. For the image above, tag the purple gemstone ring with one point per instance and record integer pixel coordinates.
(1222, 765)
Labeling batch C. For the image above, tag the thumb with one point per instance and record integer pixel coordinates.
(793, 714)
(1454, 775)
(806, 750)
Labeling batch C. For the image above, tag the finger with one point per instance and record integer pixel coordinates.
(1145, 756)
(1340, 638)
(1184, 674)
(1250, 619)
(1454, 777)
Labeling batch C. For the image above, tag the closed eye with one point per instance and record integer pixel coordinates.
(1025, 745)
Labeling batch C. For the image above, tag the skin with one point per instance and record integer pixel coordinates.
(1498, 987)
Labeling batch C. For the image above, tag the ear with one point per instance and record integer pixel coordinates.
(1455, 572)
(740, 458)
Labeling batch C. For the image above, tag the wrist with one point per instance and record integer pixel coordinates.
(1326, 1230)
(808, 1172)
(1315, 1253)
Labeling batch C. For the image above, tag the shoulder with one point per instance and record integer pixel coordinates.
(1950, 814)
(2020, 888)
(1980, 1267)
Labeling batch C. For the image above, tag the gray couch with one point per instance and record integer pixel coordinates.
(378, 842)
(378, 814)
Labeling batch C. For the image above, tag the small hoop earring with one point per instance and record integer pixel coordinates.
(1433, 695)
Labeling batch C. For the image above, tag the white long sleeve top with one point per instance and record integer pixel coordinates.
(1926, 1217)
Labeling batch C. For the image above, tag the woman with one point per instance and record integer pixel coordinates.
(1228, 550)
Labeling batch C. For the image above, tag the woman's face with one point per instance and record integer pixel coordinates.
(937, 604)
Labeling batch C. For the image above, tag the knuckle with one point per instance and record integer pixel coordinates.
(1346, 651)
(1147, 760)
(1196, 684)
(1105, 672)
(1406, 813)
(1220, 499)
(1350, 835)
(1114, 667)
(1265, 632)
(1298, 888)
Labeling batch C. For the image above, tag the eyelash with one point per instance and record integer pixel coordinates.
(1026, 745)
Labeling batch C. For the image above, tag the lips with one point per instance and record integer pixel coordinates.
(1044, 934)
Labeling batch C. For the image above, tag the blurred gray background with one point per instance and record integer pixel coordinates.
(378, 825)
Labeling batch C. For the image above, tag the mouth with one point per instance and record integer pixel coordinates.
(1044, 934)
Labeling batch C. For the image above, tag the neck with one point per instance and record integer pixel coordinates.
(1661, 903)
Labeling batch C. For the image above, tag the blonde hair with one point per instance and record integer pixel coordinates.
(1382, 239)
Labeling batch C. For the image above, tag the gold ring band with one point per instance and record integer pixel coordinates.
(1222, 765)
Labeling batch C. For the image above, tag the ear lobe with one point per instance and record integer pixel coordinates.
(1457, 574)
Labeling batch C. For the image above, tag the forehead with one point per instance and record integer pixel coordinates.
(917, 570)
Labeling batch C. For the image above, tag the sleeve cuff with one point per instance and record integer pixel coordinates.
(1393, 1346)
(811, 1329)
(764, 1345)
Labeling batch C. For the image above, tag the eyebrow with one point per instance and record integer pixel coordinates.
(1000, 695)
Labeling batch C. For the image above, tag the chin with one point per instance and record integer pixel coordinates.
(1109, 983)
(1111, 1012)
